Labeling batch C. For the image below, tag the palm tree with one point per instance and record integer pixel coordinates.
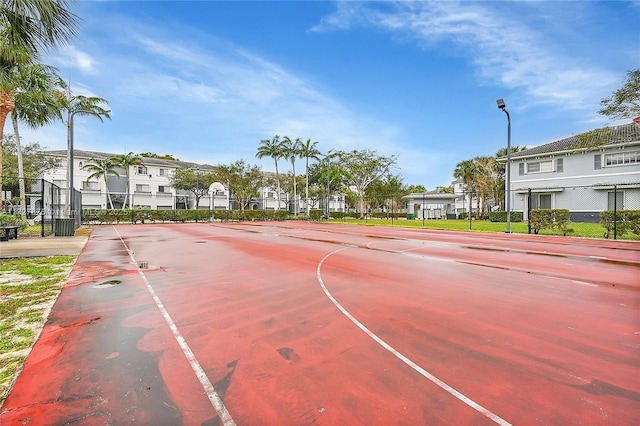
(485, 178)
(102, 168)
(272, 148)
(26, 26)
(78, 105)
(308, 150)
(291, 152)
(465, 170)
(126, 161)
(35, 105)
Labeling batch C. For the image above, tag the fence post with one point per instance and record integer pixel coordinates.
(529, 211)
(615, 212)
(42, 210)
(470, 209)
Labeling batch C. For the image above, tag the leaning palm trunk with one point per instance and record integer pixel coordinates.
(127, 190)
(7, 104)
(108, 194)
(23, 200)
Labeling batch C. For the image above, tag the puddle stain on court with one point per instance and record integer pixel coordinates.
(289, 354)
(222, 385)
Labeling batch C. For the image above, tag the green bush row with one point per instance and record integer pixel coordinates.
(501, 216)
(148, 215)
(625, 221)
(11, 220)
(549, 219)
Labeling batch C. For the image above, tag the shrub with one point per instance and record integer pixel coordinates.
(550, 219)
(11, 220)
(624, 221)
(501, 216)
(315, 214)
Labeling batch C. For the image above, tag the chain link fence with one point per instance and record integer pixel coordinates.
(40, 207)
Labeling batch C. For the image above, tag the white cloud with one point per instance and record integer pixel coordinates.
(505, 48)
(73, 58)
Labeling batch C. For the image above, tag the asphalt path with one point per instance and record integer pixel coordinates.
(306, 323)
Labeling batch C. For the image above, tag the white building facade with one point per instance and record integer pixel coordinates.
(150, 188)
(585, 174)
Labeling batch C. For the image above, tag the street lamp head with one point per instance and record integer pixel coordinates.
(501, 104)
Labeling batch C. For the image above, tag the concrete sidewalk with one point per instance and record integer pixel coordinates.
(48, 246)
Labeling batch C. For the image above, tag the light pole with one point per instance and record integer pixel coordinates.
(503, 107)
(197, 187)
(71, 198)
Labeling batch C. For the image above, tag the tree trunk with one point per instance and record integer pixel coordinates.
(106, 187)
(295, 195)
(7, 104)
(278, 185)
(23, 200)
(307, 205)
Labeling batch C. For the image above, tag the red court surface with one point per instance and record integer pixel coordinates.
(300, 323)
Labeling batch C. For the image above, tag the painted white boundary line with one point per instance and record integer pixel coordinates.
(213, 396)
(499, 420)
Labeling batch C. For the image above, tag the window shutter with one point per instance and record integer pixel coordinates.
(559, 165)
(521, 169)
(596, 162)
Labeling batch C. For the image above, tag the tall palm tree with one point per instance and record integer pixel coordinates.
(79, 105)
(465, 170)
(308, 151)
(27, 26)
(102, 168)
(35, 105)
(485, 178)
(272, 148)
(126, 161)
(291, 152)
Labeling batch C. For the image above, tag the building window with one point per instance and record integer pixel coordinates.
(142, 188)
(621, 158)
(164, 172)
(164, 189)
(616, 200)
(141, 170)
(541, 201)
(91, 186)
(540, 166)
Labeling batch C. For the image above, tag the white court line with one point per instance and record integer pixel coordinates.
(584, 283)
(499, 420)
(213, 396)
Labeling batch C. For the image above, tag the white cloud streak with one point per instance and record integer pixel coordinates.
(506, 49)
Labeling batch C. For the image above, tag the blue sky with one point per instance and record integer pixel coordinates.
(205, 81)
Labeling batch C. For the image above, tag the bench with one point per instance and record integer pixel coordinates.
(7, 234)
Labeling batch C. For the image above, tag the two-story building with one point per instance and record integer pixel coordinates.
(150, 187)
(584, 173)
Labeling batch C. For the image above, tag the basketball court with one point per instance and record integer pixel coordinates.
(291, 323)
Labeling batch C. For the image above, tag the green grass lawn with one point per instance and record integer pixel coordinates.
(591, 230)
(28, 288)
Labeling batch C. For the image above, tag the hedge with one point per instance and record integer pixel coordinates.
(501, 216)
(11, 220)
(550, 219)
(179, 215)
(626, 221)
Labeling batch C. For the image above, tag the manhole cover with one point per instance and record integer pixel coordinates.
(107, 284)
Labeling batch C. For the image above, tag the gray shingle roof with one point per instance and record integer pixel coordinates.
(587, 141)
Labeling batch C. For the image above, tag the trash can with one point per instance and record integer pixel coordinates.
(411, 216)
(65, 227)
